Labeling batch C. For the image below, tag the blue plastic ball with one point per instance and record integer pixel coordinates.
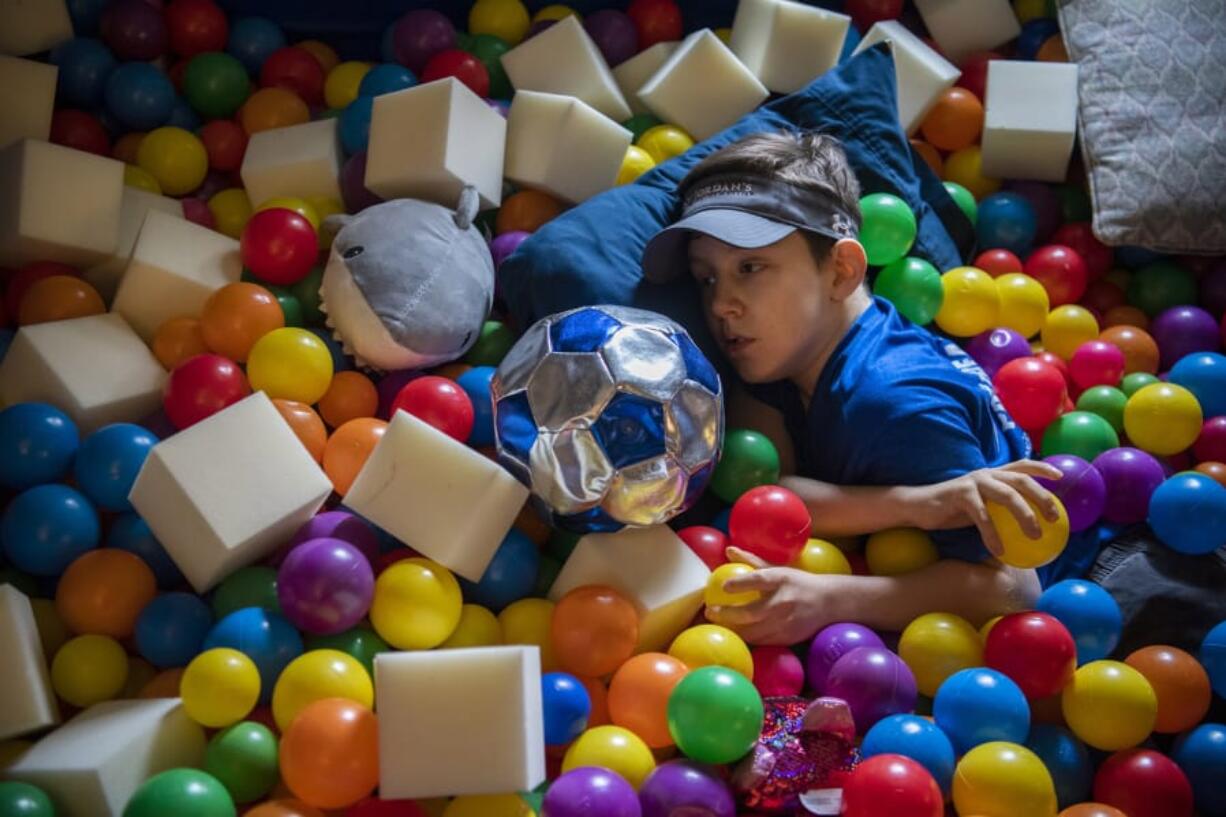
(1201, 754)
(171, 628)
(1213, 658)
(140, 96)
(979, 705)
(1034, 34)
(1203, 374)
(340, 361)
(6, 340)
(183, 115)
(47, 527)
(1067, 759)
(86, 15)
(914, 737)
(355, 124)
(1006, 220)
(1136, 257)
(131, 533)
(1089, 612)
(566, 705)
(84, 65)
(268, 639)
(1188, 513)
(108, 462)
(252, 39)
(386, 79)
(720, 522)
(476, 384)
(37, 444)
(511, 574)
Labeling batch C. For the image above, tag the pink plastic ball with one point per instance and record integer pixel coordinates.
(1096, 363)
(777, 671)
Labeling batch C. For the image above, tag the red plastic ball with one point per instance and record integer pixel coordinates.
(279, 246)
(998, 262)
(1102, 296)
(1097, 256)
(461, 65)
(1096, 363)
(440, 402)
(297, 70)
(1033, 392)
(225, 142)
(866, 12)
(975, 72)
(655, 21)
(1210, 446)
(196, 26)
(893, 785)
(377, 807)
(26, 277)
(1062, 272)
(197, 211)
(79, 130)
(1052, 359)
(201, 386)
(708, 543)
(1035, 650)
(1143, 783)
(771, 522)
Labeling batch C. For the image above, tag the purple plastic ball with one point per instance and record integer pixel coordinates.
(1184, 330)
(591, 791)
(1131, 477)
(135, 30)
(996, 347)
(831, 644)
(389, 386)
(1081, 489)
(537, 27)
(325, 586)
(875, 682)
(339, 525)
(1213, 289)
(353, 184)
(502, 246)
(683, 787)
(1046, 204)
(614, 34)
(500, 105)
(419, 35)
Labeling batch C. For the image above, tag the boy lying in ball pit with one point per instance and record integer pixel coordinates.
(892, 426)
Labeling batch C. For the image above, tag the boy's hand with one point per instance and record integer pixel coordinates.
(794, 604)
(960, 502)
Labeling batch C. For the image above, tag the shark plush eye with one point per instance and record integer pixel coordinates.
(352, 252)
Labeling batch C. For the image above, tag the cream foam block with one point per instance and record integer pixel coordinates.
(31, 26)
(634, 72)
(428, 141)
(227, 491)
(27, 95)
(702, 87)
(25, 684)
(563, 146)
(1030, 119)
(922, 74)
(787, 44)
(92, 765)
(57, 204)
(175, 266)
(563, 59)
(301, 160)
(463, 721)
(136, 205)
(96, 369)
(437, 495)
(650, 566)
(961, 27)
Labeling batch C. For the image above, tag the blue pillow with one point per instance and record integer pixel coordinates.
(592, 253)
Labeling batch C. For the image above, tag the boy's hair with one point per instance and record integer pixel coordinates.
(808, 160)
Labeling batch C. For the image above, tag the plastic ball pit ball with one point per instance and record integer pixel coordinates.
(891, 784)
(874, 682)
(1109, 705)
(935, 646)
(714, 715)
(1003, 779)
(181, 791)
(771, 522)
(1035, 650)
(832, 643)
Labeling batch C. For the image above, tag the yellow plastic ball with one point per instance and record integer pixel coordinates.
(1163, 418)
(316, 675)
(1109, 705)
(725, 34)
(489, 805)
(1023, 303)
(141, 179)
(507, 19)
(478, 627)
(937, 645)
(417, 604)
(971, 304)
(987, 627)
(220, 687)
(290, 364)
(342, 83)
(176, 158)
(528, 622)
(663, 142)
(1022, 551)
(965, 167)
(325, 206)
(556, 11)
(12, 750)
(820, 556)
(1003, 779)
(716, 595)
(712, 645)
(1027, 10)
(89, 669)
(897, 551)
(1066, 328)
(613, 748)
(635, 163)
(231, 210)
(300, 206)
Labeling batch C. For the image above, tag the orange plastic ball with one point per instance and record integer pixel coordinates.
(598, 693)
(1052, 50)
(1216, 470)
(103, 591)
(163, 685)
(451, 371)
(638, 696)
(306, 424)
(322, 52)
(526, 210)
(284, 807)
(178, 339)
(348, 449)
(59, 298)
(1092, 810)
(270, 108)
(1179, 681)
(127, 146)
(1126, 316)
(350, 396)
(594, 629)
(955, 121)
(329, 754)
(930, 155)
(238, 315)
(1139, 348)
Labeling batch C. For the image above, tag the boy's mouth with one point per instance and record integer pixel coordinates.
(736, 344)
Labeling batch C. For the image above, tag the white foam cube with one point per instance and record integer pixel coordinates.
(57, 204)
(301, 160)
(31, 26)
(961, 27)
(175, 266)
(25, 684)
(136, 205)
(228, 490)
(1030, 119)
(428, 141)
(634, 72)
(650, 566)
(703, 87)
(787, 44)
(563, 146)
(437, 495)
(921, 73)
(92, 765)
(563, 59)
(96, 369)
(27, 96)
(465, 721)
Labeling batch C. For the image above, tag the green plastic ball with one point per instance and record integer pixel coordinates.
(749, 460)
(291, 309)
(546, 575)
(1081, 433)
(1133, 383)
(641, 123)
(715, 715)
(888, 228)
(23, 800)
(244, 758)
(561, 543)
(489, 48)
(181, 793)
(965, 200)
(914, 287)
(253, 586)
(360, 642)
(216, 84)
(306, 292)
(492, 346)
(1074, 203)
(1158, 286)
(1107, 402)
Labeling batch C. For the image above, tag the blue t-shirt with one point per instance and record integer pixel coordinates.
(898, 405)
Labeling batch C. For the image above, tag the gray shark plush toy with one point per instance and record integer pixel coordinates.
(408, 283)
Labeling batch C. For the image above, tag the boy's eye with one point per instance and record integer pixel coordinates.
(749, 267)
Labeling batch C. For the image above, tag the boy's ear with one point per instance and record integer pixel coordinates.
(850, 264)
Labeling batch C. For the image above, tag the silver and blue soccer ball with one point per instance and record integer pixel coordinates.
(610, 415)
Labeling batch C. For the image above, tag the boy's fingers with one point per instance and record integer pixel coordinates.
(1002, 493)
(736, 554)
(737, 616)
(987, 531)
(1034, 468)
(762, 580)
(1043, 499)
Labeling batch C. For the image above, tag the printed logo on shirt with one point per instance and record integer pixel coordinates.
(967, 365)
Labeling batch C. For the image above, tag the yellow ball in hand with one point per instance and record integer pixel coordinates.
(1020, 549)
(717, 596)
